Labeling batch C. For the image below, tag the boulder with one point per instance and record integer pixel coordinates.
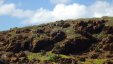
(43, 44)
(58, 36)
(77, 45)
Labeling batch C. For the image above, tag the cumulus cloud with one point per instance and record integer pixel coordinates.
(6, 9)
(40, 16)
(101, 8)
(59, 12)
(12, 10)
(22, 13)
(72, 11)
(62, 11)
(60, 1)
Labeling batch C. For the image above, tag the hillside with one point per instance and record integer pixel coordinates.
(80, 41)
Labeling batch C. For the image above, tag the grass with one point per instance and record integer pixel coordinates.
(53, 57)
(46, 56)
(38, 56)
(95, 61)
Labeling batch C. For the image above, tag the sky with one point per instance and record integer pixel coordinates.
(20, 13)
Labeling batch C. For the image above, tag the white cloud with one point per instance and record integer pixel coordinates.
(6, 9)
(62, 11)
(12, 10)
(59, 12)
(40, 16)
(22, 13)
(101, 8)
(72, 11)
(60, 1)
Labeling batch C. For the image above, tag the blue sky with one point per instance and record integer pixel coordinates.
(19, 13)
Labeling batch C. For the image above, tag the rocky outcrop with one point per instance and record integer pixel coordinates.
(89, 38)
(58, 36)
(73, 46)
(38, 45)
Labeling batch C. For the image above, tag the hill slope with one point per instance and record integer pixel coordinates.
(82, 38)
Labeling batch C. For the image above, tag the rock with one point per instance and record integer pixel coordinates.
(40, 31)
(108, 39)
(26, 30)
(1, 44)
(108, 62)
(5, 58)
(108, 47)
(77, 45)
(58, 35)
(87, 35)
(42, 44)
(94, 56)
(14, 47)
(67, 61)
(91, 27)
(108, 30)
(82, 23)
(18, 31)
(2, 62)
(26, 44)
(66, 25)
(22, 59)
(14, 59)
(21, 54)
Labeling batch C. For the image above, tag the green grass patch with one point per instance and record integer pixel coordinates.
(95, 61)
(46, 56)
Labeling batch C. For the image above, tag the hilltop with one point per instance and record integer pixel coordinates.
(79, 41)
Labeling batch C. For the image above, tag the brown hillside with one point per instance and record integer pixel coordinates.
(82, 38)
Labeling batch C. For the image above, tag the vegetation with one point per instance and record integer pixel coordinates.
(80, 41)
